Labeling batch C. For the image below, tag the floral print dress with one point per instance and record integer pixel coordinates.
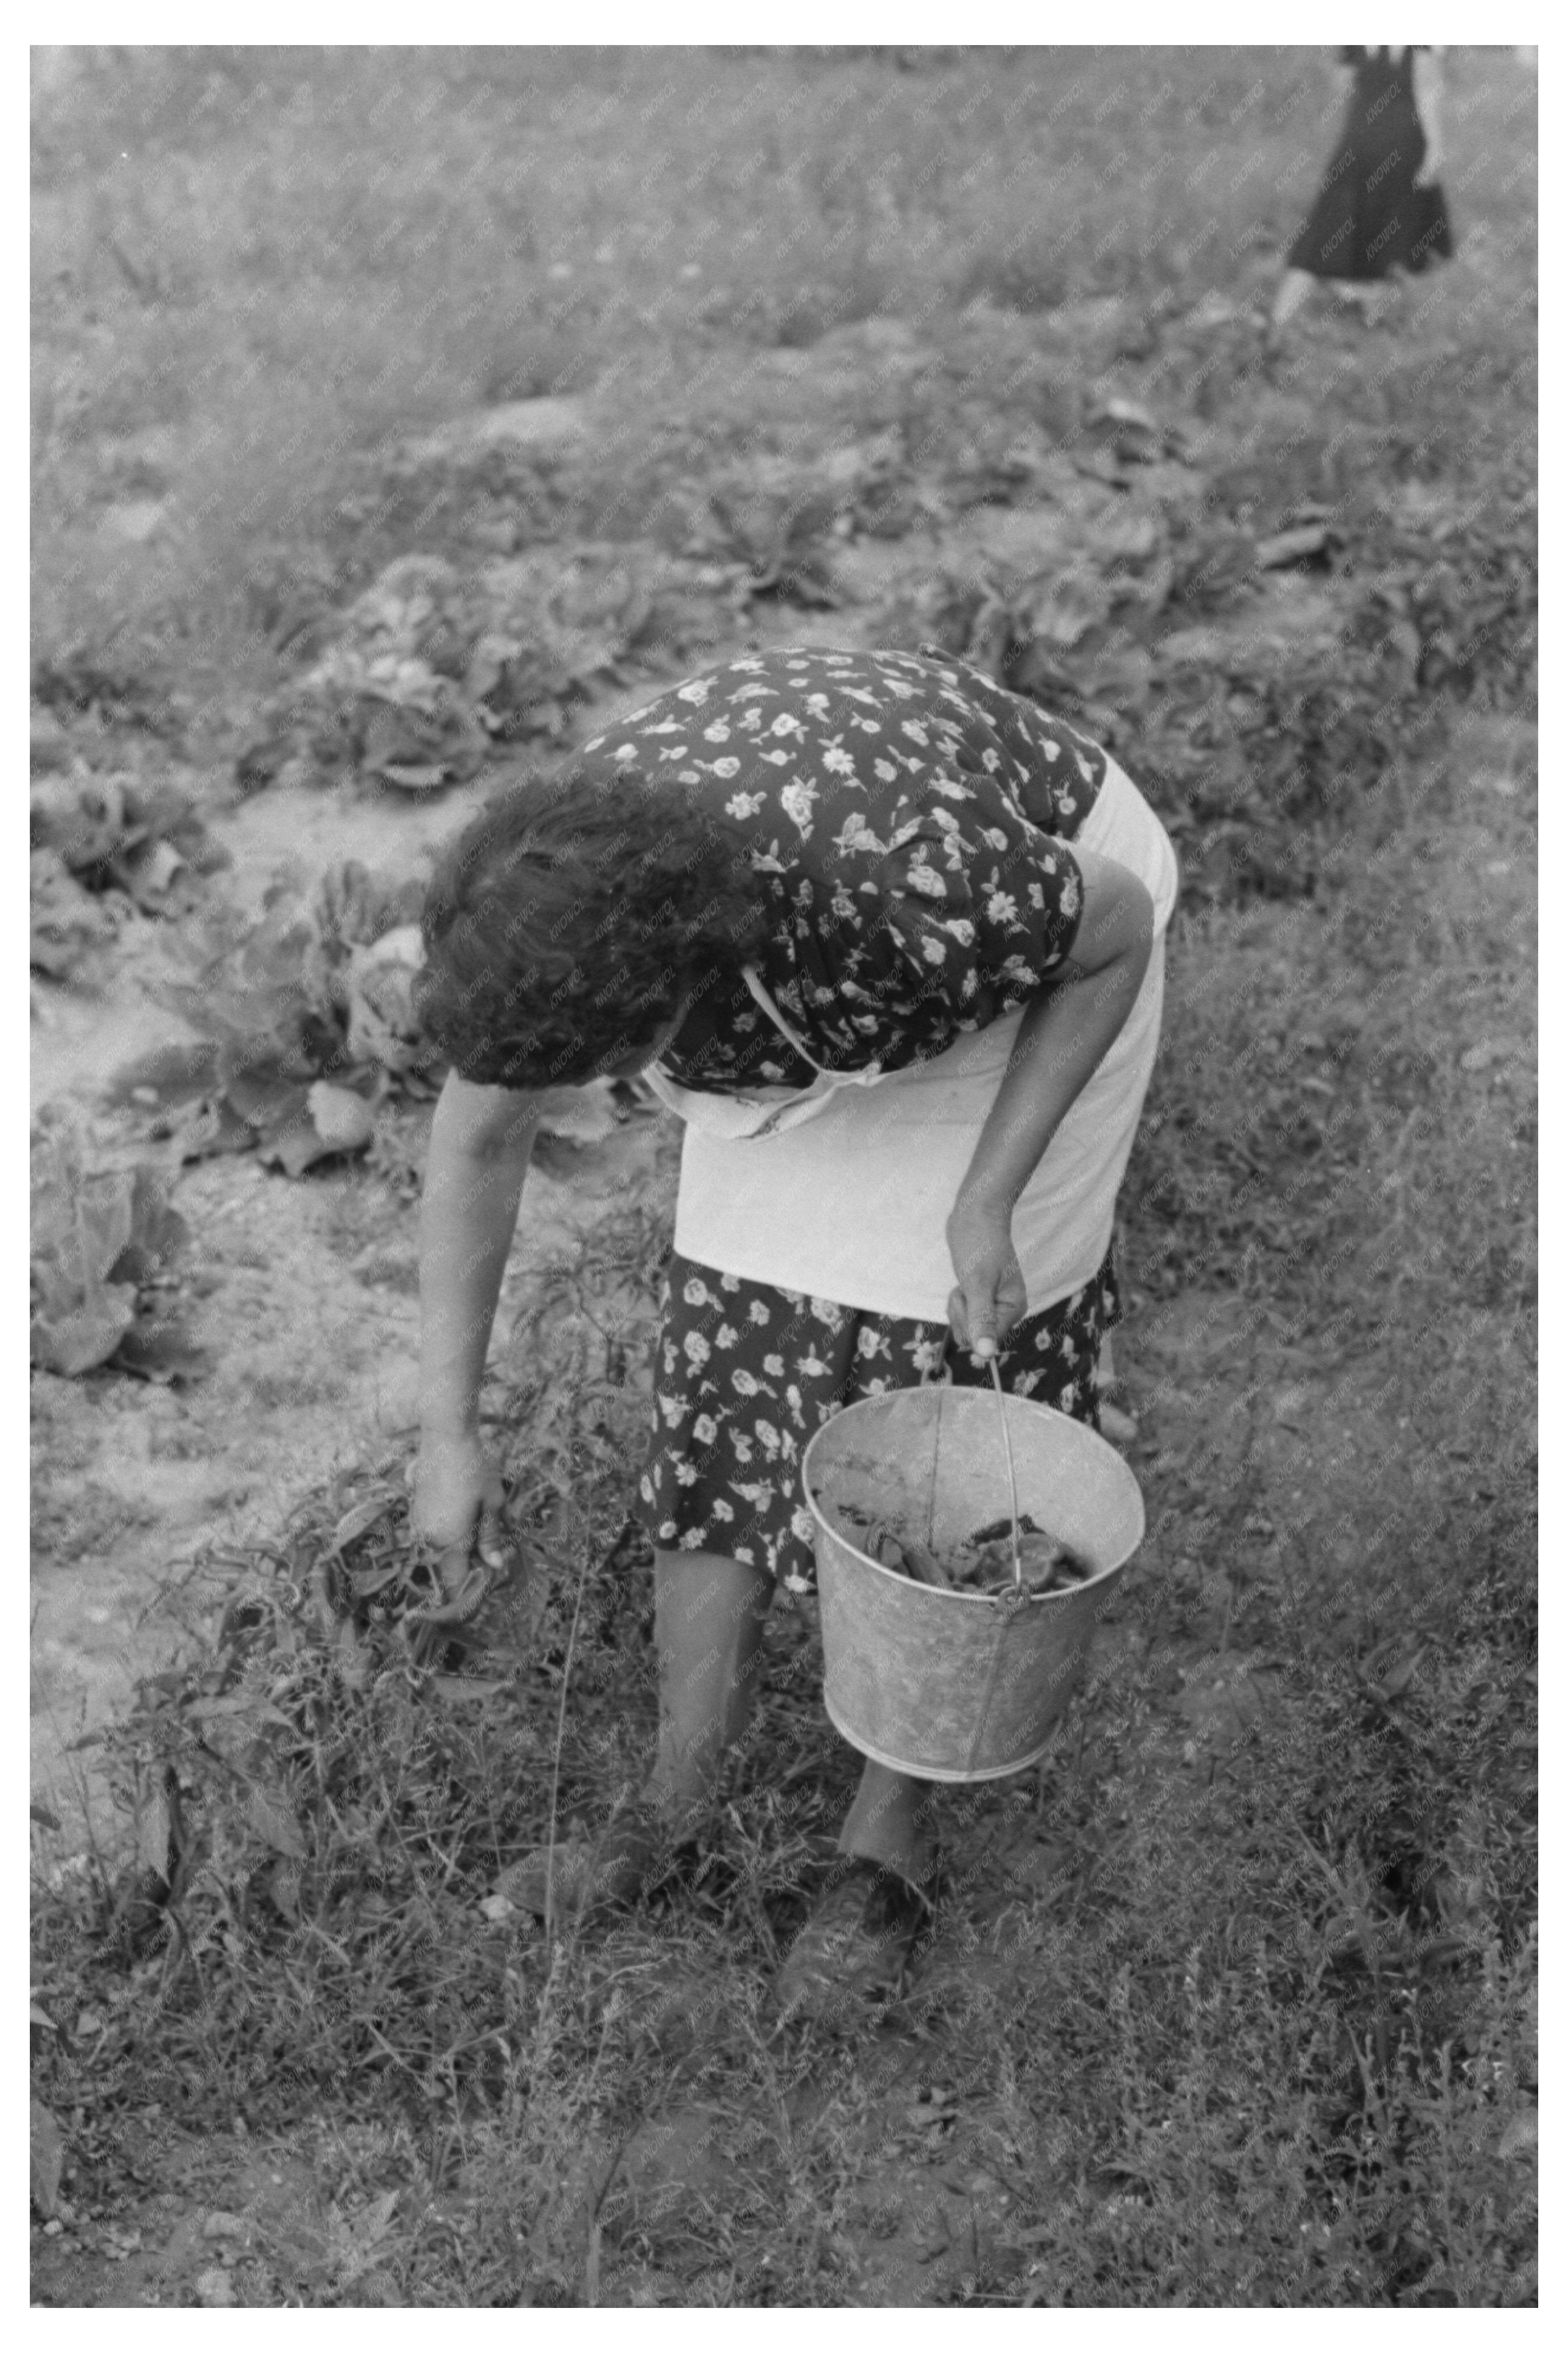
(747, 1373)
(910, 821)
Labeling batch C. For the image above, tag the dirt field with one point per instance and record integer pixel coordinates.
(1233, 2002)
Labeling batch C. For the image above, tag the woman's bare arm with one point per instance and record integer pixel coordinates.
(1063, 1039)
(1427, 88)
(480, 1142)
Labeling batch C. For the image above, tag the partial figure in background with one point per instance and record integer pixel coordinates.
(1380, 208)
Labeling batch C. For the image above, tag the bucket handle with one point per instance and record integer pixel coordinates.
(1008, 1603)
(937, 1376)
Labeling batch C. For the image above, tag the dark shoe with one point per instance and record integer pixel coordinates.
(636, 1851)
(856, 1950)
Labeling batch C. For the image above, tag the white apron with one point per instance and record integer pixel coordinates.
(842, 1190)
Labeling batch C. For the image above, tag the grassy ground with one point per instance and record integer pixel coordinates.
(1234, 2002)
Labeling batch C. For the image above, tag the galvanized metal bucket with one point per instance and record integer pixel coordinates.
(958, 1686)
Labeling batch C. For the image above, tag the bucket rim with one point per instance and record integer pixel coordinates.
(952, 1774)
(939, 1593)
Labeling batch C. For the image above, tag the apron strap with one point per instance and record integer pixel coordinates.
(753, 979)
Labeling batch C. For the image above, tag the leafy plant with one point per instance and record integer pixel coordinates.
(782, 513)
(580, 1355)
(102, 1244)
(100, 841)
(307, 1024)
(314, 1776)
(125, 689)
(1246, 678)
(307, 1029)
(68, 924)
(433, 665)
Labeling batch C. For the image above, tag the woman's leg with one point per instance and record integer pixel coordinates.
(708, 1627)
(889, 1824)
(1289, 296)
(707, 1630)
(864, 1928)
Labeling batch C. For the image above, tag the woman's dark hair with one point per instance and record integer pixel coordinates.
(566, 922)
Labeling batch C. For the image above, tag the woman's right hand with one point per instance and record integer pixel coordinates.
(480, 1139)
(457, 1498)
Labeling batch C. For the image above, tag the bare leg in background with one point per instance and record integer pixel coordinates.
(1289, 296)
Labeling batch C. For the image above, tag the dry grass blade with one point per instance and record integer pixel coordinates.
(560, 1741)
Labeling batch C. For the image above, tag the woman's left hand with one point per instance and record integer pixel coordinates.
(989, 1297)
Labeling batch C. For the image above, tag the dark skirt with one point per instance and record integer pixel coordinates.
(1370, 216)
(745, 1375)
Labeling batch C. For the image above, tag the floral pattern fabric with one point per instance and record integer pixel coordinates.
(747, 1373)
(909, 819)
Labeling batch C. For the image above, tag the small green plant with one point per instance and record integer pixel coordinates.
(307, 1024)
(103, 843)
(102, 1243)
(307, 1033)
(433, 666)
